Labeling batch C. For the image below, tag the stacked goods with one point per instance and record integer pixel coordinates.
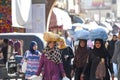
(81, 34)
(49, 36)
(98, 33)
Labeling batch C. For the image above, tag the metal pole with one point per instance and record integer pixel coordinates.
(99, 8)
(99, 15)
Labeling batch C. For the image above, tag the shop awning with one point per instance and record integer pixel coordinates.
(60, 18)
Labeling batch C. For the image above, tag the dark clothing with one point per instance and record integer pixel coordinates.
(78, 71)
(81, 56)
(94, 62)
(116, 57)
(94, 59)
(5, 53)
(67, 62)
(80, 61)
(111, 47)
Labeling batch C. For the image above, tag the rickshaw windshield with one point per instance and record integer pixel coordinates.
(18, 43)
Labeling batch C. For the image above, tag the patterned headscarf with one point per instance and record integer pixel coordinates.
(53, 54)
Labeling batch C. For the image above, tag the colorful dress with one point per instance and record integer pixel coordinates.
(32, 63)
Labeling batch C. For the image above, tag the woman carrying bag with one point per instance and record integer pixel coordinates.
(31, 58)
(51, 62)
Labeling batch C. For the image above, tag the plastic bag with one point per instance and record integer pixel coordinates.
(35, 77)
(81, 34)
(24, 66)
(65, 78)
(98, 33)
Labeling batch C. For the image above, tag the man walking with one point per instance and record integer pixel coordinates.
(116, 55)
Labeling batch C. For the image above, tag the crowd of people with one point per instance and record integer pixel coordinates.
(59, 60)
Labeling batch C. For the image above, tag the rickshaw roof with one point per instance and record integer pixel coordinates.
(26, 37)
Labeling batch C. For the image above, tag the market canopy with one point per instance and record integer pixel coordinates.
(77, 19)
(60, 17)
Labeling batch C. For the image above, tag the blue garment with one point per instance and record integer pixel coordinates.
(32, 63)
(115, 69)
(32, 57)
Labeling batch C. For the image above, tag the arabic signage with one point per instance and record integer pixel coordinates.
(95, 4)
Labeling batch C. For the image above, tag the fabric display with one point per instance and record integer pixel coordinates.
(5, 16)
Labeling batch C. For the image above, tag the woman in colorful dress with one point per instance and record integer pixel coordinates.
(32, 57)
(99, 60)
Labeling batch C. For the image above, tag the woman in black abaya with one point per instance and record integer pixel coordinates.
(100, 54)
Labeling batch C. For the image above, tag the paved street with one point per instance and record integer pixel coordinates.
(72, 79)
(111, 79)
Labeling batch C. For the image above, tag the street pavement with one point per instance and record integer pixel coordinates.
(110, 79)
(72, 79)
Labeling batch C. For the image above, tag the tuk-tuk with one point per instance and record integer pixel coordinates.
(26, 39)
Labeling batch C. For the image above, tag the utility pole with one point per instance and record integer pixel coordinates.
(99, 8)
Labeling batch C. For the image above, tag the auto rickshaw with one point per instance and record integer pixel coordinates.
(11, 66)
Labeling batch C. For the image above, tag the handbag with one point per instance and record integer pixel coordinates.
(101, 70)
(35, 77)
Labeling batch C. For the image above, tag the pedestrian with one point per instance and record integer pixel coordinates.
(68, 39)
(51, 65)
(67, 56)
(111, 48)
(116, 55)
(4, 50)
(17, 47)
(80, 59)
(32, 57)
(1, 58)
(111, 45)
(99, 61)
